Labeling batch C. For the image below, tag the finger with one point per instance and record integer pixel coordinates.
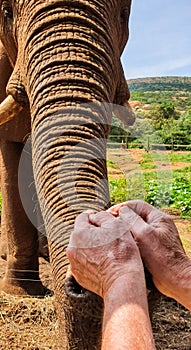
(71, 253)
(148, 213)
(135, 223)
(82, 221)
(142, 208)
(103, 219)
(77, 259)
(114, 210)
(81, 227)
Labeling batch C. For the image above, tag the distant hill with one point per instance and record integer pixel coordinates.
(160, 84)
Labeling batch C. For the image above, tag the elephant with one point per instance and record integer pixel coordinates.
(60, 68)
(12, 138)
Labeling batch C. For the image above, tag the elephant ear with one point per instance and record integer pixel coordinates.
(122, 95)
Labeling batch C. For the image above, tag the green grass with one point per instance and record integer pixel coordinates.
(183, 157)
(172, 191)
(162, 189)
(186, 243)
(111, 164)
(149, 159)
(145, 165)
(118, 190)
(168, 157)
(155, 157)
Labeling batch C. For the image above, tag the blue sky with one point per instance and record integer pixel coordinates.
(160, 39)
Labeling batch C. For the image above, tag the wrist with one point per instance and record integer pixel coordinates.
(182, 292)
(120, 267)
(177, 282)
(128, 281)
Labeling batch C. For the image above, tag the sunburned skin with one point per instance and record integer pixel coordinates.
(114, 269)
(105, 234)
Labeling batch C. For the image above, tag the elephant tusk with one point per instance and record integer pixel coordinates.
(9, 109)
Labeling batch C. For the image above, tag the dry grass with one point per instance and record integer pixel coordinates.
(172, 326)
(27, 323)
(31, 324)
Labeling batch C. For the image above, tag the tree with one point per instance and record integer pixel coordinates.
(118, 132)
(164, 118)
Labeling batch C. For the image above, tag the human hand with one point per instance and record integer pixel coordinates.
(159, 243)
(101, 250)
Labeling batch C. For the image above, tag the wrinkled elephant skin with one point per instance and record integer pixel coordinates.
(62, 55)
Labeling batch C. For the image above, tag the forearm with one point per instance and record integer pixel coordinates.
(126, 323)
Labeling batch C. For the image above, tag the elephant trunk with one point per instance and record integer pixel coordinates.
(71, 176)
(69, 74)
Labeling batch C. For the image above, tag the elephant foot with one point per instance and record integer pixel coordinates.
(24, 288)
(22, 278)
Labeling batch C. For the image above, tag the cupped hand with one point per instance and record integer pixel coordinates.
(159, 243)
(101, 250)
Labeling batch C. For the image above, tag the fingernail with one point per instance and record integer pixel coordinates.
(89, 211)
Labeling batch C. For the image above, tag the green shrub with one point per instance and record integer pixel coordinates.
(180, 157)
(145, 165)
(176, 195)
(118, 190)
(111, 164)
(163, 190)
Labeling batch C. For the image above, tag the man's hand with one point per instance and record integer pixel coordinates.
(159, 243)
(102, 250)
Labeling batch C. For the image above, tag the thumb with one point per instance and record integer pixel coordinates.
(82, 221)
(136, 224)
(81, 226)
(102, 219)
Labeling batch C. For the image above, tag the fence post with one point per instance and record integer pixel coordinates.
(148, 144)
(126, 141)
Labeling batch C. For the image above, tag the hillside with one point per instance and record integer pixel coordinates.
(160, 84)
(163, 110)
(152, 91)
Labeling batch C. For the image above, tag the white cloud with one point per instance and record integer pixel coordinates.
(160, 39)
(156, 69)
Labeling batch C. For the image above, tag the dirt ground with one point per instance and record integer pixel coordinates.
(128, 162)
(31, 323)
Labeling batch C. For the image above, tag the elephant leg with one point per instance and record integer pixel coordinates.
(22, 272)
(42, 239)
(3, 240)
(5, 72)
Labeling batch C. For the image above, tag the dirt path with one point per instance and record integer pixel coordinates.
(129, 161)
